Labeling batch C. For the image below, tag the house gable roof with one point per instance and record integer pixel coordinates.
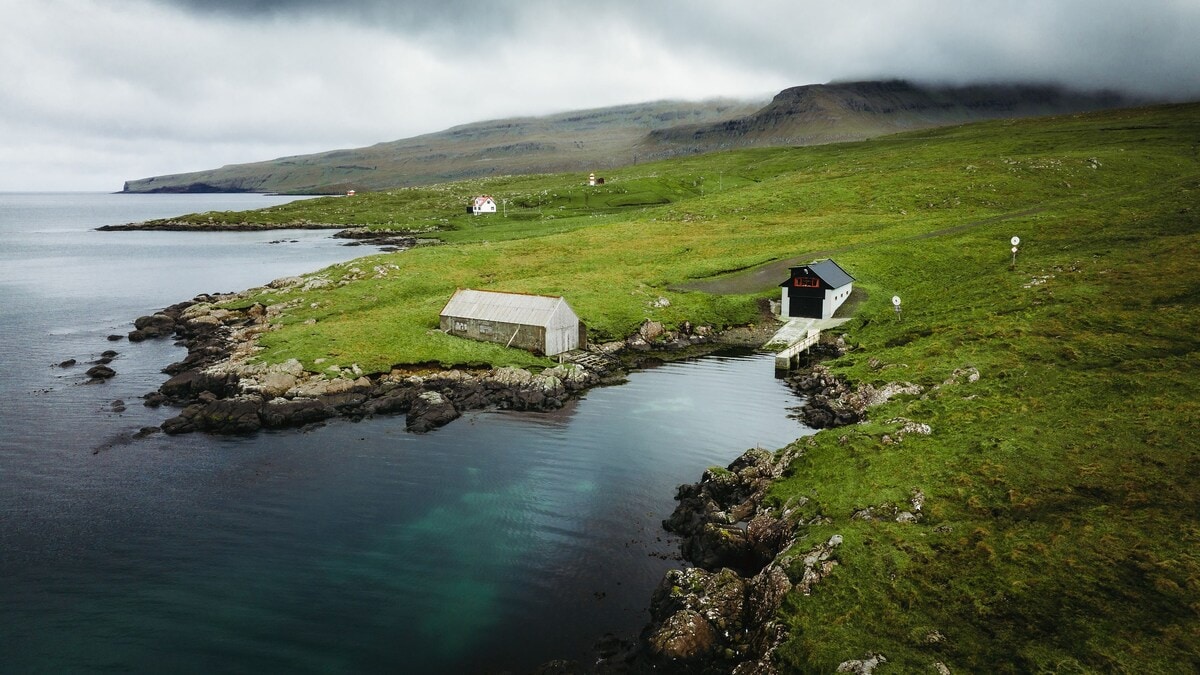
(514, 308)
(828, 271)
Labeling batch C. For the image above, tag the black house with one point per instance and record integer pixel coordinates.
(815, 290)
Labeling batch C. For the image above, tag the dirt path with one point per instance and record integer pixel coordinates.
(767, 276)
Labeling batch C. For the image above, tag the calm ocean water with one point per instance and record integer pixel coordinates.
(498, 542)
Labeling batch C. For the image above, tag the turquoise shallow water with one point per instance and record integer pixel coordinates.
(497, 542)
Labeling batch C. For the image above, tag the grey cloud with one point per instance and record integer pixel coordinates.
(414, 15)
(1148, 46)
(185, 84)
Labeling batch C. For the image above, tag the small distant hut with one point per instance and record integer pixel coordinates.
(541, 324)
(349, 193)
(815, 290)
(482, 204)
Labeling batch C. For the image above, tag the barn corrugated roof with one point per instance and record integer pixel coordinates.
(516, 308)
(829, 271)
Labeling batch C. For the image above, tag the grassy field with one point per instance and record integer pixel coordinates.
(1060, 531)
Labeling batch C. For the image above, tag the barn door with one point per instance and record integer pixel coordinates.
(806, 307)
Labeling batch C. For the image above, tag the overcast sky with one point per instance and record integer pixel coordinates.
(94, 92)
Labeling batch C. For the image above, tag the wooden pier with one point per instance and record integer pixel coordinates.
(789, 357)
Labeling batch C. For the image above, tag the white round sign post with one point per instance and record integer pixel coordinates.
(1015, 241)
(896, 304)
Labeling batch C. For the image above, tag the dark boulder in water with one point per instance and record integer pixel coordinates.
(219, 416)
(151, 326)
(100, 372)
(146, 431)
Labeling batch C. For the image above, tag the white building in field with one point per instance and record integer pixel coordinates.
(482, 204)
(541, 324)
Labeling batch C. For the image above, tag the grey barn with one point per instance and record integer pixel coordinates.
(538, 323)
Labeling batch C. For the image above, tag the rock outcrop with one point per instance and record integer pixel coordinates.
(390, 240)
(833, 402)
(719, 617)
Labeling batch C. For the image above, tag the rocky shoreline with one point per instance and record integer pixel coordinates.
(388, 240)
(720, 615)
(220, 389)
(216, 226)
(717, 616)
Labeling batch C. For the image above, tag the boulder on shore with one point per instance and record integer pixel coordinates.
(430, 410)
(191, 383)
(278, 412)
(220, 416)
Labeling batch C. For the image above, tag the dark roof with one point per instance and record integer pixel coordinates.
(829, 272)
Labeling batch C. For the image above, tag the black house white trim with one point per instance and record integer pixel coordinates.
(815, 290)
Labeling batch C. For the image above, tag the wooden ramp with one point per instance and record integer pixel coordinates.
(798, 336)
(790, 356)
(596, 361)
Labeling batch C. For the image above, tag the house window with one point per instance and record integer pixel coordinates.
(806, 282)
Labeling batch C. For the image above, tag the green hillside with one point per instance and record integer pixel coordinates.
(1060, 529)
(578, 140)
(603, 139)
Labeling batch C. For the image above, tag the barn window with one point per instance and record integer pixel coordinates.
(806, 282)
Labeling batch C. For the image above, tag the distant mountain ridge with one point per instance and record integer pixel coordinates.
(571, 141)
(606, 138)
(852, 111)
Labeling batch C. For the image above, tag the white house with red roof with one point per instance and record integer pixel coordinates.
(482, 204)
